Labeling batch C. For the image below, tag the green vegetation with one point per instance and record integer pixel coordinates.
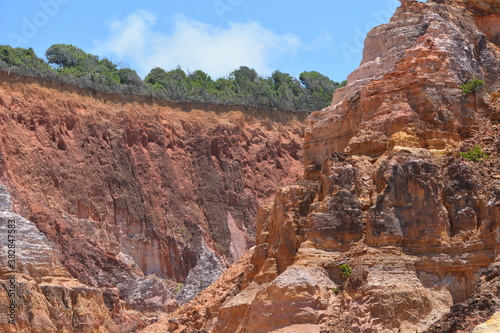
(220, 248)
(346, 270)
(23, 59)
(71, 65)
(245, 87)
(178, 288)
(476, 154)
(70, 61)
(472, 86)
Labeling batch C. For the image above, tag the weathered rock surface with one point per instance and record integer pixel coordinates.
(411, 262)
(406, 91)
(491, 326)
(470, 315)
(46, 298)
(486, 14)
(390, 230)
(138, 199)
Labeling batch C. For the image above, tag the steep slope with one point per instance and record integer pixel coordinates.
(390, 230)
(407, 88)
(137, 199)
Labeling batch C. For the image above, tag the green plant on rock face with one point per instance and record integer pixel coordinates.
(472, 85)
(220, 247)
(178, 288)
(337, 291)
(346, 270)
(476, 154)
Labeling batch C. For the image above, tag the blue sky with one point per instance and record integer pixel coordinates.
(216, 36)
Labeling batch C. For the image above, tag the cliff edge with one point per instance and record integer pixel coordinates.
(125, 206)
(391, 229)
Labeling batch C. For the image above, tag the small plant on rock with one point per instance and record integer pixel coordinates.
(472, 86)
(337, 291)
(178, 288)
(220, 248)
(346, 270)
(476, 154)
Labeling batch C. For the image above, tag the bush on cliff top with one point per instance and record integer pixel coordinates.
(24, 59)
(244, 86)
(71, 65)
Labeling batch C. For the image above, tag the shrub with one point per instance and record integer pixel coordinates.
(25, 60)
(129, 77)
(70, 65)
(346, 270)
(476, 154)
(472, 86)
(178, 288)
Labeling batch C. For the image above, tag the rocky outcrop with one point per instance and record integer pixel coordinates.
(391, 229)
(410, 261)
(39, 289)
(486, 13)
(477, 314)
(139, 200)
(406, 91)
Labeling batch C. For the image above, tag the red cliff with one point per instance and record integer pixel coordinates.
(141, 203)
(391, 229)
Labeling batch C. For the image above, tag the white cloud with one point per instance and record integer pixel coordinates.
(194, 45)
(324, 40)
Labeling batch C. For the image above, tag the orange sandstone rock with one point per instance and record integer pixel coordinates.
(138, 199)
(385, 195)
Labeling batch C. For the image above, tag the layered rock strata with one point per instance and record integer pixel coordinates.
(391, 229)
(38, 288)
(406, 91)
(141, 200)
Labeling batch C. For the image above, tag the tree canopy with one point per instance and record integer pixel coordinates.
(67, 63)
(22, 58)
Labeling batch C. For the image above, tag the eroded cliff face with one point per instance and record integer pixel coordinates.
(386, 194)
(47, 298)
(486, 13)
(134, 204)
(406, 91)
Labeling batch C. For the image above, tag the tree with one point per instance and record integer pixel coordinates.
(244, 75)
(24, 59)
(288, 90)
(129, 77)
(319, 90)
(200, 76)
(156, 77)
(69, 56)
(173, 83)
(200, 86)
(74, 62)
(315, 81)
(225, 91)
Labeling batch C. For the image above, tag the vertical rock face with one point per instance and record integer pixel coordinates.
(138, 200)
(406, 91)
(46, 298)
(390, 230)
(409, 210)
(486, 13)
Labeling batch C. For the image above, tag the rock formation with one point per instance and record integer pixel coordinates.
(47, 298)
(137, 204)
(390, 229)
(406, 91)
